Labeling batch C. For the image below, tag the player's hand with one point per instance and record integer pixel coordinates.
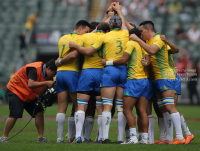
(135, 37)
(56, 63)
(50, 83)
(110, 7)
(103, 62)
(163, 38)
(110, 14)
(117, 7)
(144, 62)
(72, 44)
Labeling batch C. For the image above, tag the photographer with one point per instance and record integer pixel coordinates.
(22, 90)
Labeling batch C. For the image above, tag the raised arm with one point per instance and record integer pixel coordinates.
(117, 8)
(174, 48)
(110, 9)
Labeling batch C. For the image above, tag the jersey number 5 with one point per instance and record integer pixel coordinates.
(120, 46)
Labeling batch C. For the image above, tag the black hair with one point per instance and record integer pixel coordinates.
(135, 31)
(93, 25)
(103, 26)
(148, 24)
(82, 23)
(52, 65)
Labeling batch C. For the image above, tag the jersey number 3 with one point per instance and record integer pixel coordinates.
(120, 46)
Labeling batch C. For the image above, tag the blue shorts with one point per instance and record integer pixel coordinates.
(164, 84)
(114, 76)
(149, 93)
(177, 86)
(136, 87)
(67, 80)
(90, 80)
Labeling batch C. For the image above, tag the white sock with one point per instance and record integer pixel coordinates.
(161, 125)
(184, 126)
(100, 129)
(151, 129)
(106, 119)
(127, 131)
(71, 127)
(168, 126)
(83, 132)
(121, 126)
(89, 123)
(80, 118)
(145, 137)
(60, 121)
(133, 134)
(177, 124)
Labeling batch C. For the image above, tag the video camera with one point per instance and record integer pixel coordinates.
(47, 97)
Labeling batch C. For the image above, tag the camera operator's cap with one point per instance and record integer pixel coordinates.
(116, 19)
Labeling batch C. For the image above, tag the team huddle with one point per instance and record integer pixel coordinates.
(105, 66)
(124, 65)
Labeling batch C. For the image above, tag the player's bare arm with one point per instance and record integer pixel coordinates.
(68, 58)
(110, 9)
(85, 51)
(110, 14)
(150, 49)
(128, 25)
(36, 84)
(173, 47)
(118, 62)
(117, 8)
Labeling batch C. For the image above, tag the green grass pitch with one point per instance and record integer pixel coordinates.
(27, 139)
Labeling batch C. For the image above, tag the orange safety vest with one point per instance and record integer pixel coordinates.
(18, 84)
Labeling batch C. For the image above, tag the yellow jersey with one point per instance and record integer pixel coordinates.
(87, 40)
(159, 61)
(170, 58)
(112, 44)
(63, 50)
(135, 67)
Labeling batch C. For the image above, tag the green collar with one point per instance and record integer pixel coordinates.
(156, 34)
(99, 31)
(74, 33)
(117, 29)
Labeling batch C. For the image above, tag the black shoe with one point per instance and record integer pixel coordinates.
(106, 141)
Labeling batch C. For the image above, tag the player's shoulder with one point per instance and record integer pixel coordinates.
(132, 42)
(157, 37)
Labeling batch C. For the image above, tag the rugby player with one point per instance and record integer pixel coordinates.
(136, 88)
(68, 73)
(172, 49)
(164, 77)
(90, 81)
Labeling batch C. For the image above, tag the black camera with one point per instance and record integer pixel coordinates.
(48, 96)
